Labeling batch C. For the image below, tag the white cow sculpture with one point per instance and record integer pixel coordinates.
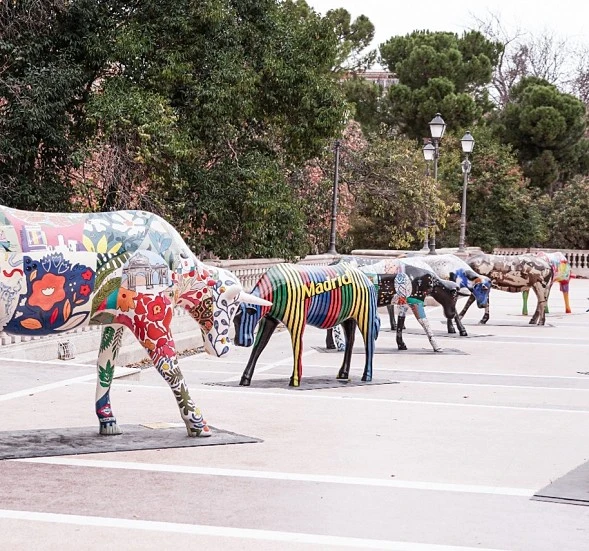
(116, 269)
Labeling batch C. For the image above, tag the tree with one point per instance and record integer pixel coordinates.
(353, 38)
(502, 210)
(392, 195)
(546, 129)
(438, 72)
(567, 216)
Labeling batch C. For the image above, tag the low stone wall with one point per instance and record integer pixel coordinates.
(250, 270)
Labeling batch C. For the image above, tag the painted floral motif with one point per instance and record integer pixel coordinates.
(55, 293)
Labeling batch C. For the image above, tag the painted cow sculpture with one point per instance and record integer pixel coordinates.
(561, 273)
(453, 268)
(407, 286)
(514, 274)
(116, 269)
(321, 296)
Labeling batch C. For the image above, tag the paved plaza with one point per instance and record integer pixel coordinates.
(444, 452)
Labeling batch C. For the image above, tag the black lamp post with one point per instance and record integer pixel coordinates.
(437, 127)
(428, 155)
(331, 249)
(467, 143)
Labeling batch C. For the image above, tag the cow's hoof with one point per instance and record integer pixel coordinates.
(245, 382)
(202, 432)
(438, 349)
(463, 334)
(109, 428)
(343, 377)
(402, 346)
(452, 331)
(367, 379)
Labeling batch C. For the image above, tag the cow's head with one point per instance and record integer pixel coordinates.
(446, 292)
(245, 321)
(480, 289)
(214, 311)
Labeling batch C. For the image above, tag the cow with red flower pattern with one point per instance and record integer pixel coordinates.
(115, 269)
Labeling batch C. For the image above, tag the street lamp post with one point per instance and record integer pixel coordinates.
(437, 127)
(467, 143)
(428, 155)
(331, 249)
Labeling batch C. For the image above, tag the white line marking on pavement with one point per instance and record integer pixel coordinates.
(284, 361)
(494, 385)
(303, 394)
(61, 363)
(273, 475)
(229, 532)
(44, 388)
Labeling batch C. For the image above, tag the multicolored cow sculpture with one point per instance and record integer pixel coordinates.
(116, 269)
(561, 273)
(321, 296)
(514, 274)
(453, 268)
(407, 286)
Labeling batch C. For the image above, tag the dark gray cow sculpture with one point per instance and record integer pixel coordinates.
(515, 274)
(407, 287)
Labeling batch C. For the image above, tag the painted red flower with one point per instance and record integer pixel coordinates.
(156, 309)
(140, 327)
(85, 290)
(87, 275)
(154, 332)
(47, 291)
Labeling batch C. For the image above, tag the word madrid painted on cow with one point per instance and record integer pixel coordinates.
(312, 288)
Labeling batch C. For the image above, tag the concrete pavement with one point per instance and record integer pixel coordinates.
(447, 459)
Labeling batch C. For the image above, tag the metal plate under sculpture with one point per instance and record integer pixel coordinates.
(310, 383)
(572, 488)
(73, 441)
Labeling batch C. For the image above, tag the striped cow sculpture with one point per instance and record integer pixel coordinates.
(321, 296)
(561, 273)
(60, 272)
(514, 274)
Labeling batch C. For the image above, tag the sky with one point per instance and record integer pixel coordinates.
(565, 19)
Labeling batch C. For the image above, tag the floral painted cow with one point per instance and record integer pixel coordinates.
(321, 296)
(453, 268)
(115, 269)
(514, 274)
(561, 273)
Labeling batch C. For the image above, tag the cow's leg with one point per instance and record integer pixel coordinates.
(329, 342)
(349, 327)
(419, 311)
(461, 330)
(267, 327)
(539, 317)
(369, 329)
(166, 363)
(469, 301)
(547, 294)
(391, 311)
(334, 339)
(564, 287)
(450, 325)
(110, 343)
(400, 326)
(525, 295)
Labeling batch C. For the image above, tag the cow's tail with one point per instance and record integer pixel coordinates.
(376, 326)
